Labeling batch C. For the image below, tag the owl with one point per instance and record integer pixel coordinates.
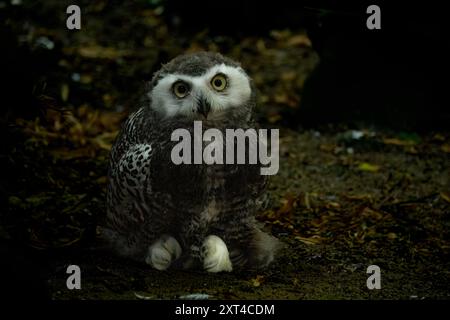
(188, 215)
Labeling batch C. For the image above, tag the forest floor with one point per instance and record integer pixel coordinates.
(341, 201)
(345, 197)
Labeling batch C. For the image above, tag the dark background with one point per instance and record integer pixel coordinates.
(395, 78)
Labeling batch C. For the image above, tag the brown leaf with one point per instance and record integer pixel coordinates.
(288, 206)
(365, 197)
(370, 213)
(327, 147)
(399, 142)
(256, 282)
(391, 236)
(311, 240)
(288, 76)
(299, 40)
(99, 52)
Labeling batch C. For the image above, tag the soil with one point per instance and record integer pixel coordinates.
(339, 204)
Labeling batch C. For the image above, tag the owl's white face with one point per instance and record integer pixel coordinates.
(219, 89)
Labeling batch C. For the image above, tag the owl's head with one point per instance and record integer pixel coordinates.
(202, 86)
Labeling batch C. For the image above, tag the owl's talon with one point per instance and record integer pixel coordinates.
(215, 255)
(162, 252)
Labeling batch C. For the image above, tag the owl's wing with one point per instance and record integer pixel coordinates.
(128, 188)
(129, 165)
(128, 136)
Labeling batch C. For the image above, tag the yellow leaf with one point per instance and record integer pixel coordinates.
(64, 92)
(274, 118)
(281, 98)
(365, 197)
(364, 166)
(446, 148)
(445, 196)
(257, 281)
(86, 79)
(439, 137)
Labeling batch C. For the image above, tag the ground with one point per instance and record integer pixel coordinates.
(340, 203)
(346, 196)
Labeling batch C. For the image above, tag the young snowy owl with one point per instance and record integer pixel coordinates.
(188, 215)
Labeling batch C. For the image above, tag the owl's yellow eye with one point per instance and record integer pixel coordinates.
(219, 82)
(180, 89)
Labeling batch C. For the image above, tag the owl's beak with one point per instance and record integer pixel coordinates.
(203, 107)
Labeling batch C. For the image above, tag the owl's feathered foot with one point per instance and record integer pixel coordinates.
(259, 252)
(161, 253)
(214, 253)
(262, 249)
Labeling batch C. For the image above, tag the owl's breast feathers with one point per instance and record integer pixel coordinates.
(143, 175)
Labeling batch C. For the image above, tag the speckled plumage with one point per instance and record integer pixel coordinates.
(159, 211)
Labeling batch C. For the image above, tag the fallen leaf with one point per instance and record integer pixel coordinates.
(446, 148)
(365, 166)
(274, 118)
(99, 52)
(86, 79)
(327, 147)
(332, 204)
(391, 236)
(288, 75)
(365, 197)
(310, 241)
(439, 137)
(260, 44)
(399, 142)
(370, 213)
(412, 150)
(299, 40)
(256, 282)
(281, 98)
(64, 92)
(102, 180)
(280, 34)
(445, 196)
(287, 206)
(306, 200)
